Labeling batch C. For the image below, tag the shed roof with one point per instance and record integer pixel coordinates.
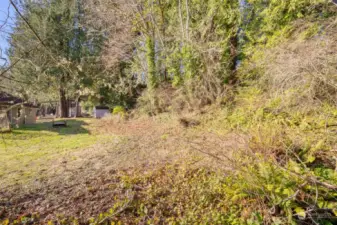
(8, 100)
(102, 107)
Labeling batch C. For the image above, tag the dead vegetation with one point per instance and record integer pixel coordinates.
(85, 183)
(151, 170)
(303, 68)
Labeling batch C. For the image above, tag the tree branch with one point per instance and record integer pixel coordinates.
(28, 24)
(2, 74)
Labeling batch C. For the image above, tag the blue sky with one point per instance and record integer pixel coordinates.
(5, 27)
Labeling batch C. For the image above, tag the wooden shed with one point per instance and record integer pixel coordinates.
(16, 110)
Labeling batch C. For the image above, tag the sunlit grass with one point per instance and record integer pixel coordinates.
(27, 150)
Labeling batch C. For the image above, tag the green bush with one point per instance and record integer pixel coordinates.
(119, 110)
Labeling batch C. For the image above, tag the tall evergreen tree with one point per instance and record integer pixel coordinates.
(55, 67)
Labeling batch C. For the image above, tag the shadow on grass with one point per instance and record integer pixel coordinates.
(73, 127)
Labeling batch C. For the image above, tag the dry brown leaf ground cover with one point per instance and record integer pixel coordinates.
(84, 181)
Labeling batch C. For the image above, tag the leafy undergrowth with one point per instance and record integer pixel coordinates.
(291, 155)
(173, 194)
(167, 195)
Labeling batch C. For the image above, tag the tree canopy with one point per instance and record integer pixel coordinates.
(107, 50)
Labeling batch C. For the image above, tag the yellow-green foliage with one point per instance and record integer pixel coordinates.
(279, 36)
(288, 144)
(311, 31)
(119, 110)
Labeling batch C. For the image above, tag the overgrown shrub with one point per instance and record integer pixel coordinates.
(119, 110)
(289, 163)
(302, 71)
(157, 102)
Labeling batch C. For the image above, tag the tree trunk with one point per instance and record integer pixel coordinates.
(63, 104)
(77, 110)
(151, 63)
(63, 100)
(234, 58)
(163, 31)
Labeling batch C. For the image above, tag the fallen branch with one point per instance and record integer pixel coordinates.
(120, 210)
(314, 180)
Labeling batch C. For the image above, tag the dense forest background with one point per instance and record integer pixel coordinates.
(193, 52)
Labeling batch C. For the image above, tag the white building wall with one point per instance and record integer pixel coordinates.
(99, 113)
(30, 115)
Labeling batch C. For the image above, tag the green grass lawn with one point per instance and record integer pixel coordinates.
(28, 150)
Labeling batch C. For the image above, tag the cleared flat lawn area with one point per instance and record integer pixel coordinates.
(31, 149)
